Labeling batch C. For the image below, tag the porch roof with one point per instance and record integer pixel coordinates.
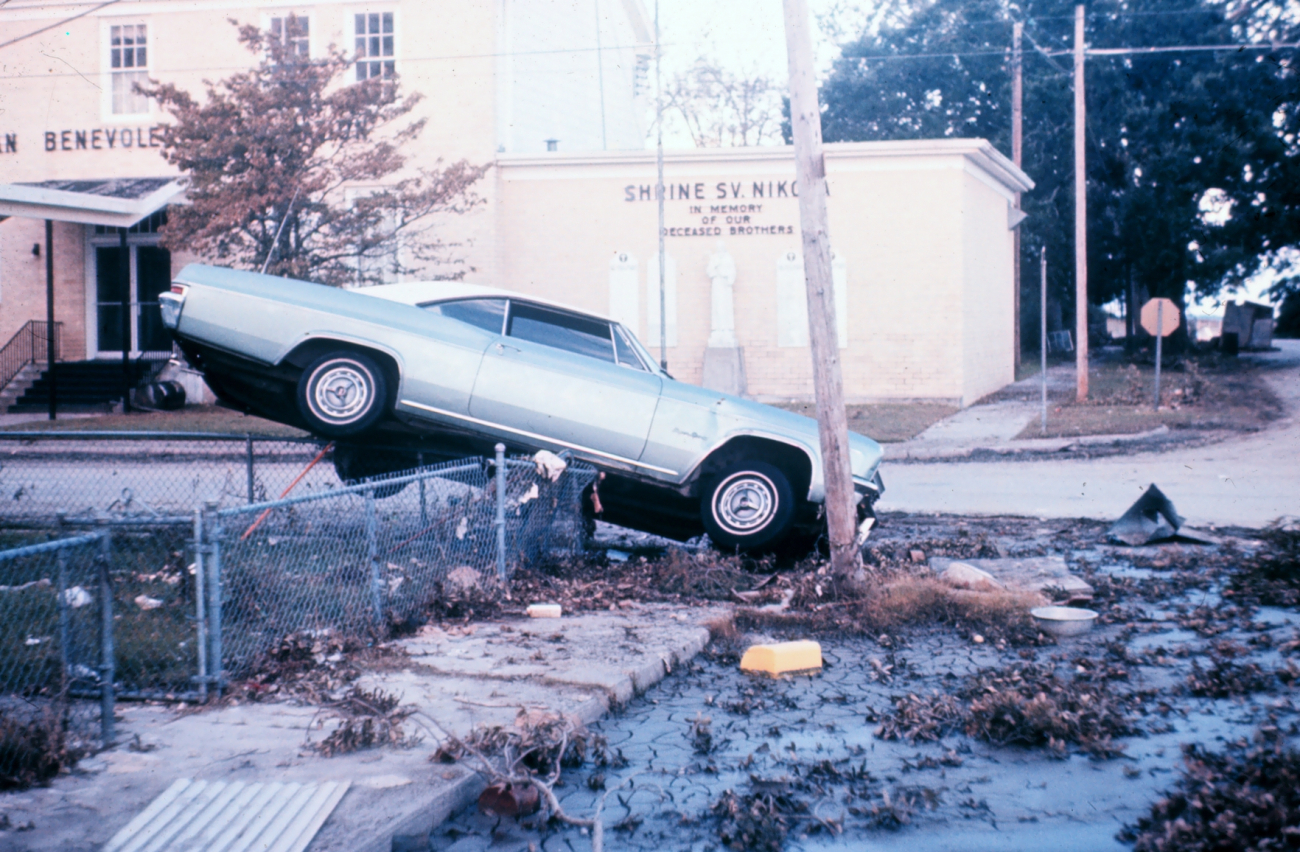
(115, 202)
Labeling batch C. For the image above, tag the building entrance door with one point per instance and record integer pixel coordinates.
(149, 274)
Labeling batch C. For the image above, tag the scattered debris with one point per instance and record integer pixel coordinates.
(463, 578)
(1023, 704)
(505, 799)
(962, 575)
(1048, 575)
(146, 603)
(758, 821)
(1153, 519)
(76, 597)
(366, 720)
(1226, 678)
(543, 610)
(549, 465)
(1062, 621)
(783, 658)
(33, 751)
(1244, 797)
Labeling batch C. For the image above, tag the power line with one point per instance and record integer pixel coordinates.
(58, 23)
(1092, 51)
(442, 58)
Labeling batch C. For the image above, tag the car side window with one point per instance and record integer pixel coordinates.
(576, 334)
(487, 314)
(626, 354)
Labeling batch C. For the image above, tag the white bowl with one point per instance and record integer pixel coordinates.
(1063, 620)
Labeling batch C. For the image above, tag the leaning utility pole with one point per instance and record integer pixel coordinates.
(1080, 216)
(832, 419)
(1017, 155)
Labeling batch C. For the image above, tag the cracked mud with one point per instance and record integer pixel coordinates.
(924, 738)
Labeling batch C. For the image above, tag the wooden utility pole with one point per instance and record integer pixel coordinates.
(832, 420)
(1080, 216)
(1017, 154)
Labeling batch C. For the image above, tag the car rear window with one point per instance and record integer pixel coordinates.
(487, 314)
(576, 334)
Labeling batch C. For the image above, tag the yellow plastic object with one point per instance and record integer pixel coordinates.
(544, 610)
(783, 658)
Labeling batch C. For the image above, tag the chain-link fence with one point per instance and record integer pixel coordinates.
(54, 617)
(141, 596)
(148, 474)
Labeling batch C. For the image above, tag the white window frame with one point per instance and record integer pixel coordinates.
(350, 34)
(314, 46)
(106, 64)
(350, 195)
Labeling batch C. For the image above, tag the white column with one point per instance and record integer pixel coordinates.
(651, 339)
(624, 290)
(722, 319)
(792, 300)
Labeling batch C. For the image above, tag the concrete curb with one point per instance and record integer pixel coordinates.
(1026, 446)
(426, 806)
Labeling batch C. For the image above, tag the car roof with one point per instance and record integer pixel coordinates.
(423, 292)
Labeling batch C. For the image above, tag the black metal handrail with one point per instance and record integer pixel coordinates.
(31, 344)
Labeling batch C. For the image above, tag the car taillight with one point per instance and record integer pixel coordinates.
(179, 289)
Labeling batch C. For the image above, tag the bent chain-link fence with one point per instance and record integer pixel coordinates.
(143, 596)
(54, 615)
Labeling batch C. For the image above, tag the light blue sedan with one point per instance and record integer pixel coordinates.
(449, 369)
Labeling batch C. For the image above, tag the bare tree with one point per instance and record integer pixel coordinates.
(721, 109)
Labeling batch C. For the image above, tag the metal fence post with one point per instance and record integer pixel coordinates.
(500, 522)
(65, 626)
(212, 530)
(424, 514)
(200, 611)
(106, 668)
(372, 555)
(249, 447)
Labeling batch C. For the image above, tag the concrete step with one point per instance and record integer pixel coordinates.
(17, 386)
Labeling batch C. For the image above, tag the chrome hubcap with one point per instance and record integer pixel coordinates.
(341, 393)
(745, 502)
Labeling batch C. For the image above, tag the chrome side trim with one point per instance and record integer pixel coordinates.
(578, 447)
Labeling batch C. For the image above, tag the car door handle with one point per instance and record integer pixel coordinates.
(502, 347)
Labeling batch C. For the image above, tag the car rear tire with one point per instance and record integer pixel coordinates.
(342, 393)
(748, 506)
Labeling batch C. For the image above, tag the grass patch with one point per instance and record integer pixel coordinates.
(194, 418)
(886, 422)
(1195, 394)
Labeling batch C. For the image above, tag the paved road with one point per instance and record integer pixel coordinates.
(1246, 481)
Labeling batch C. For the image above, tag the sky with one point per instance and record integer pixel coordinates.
(741, 34)
(749, 36)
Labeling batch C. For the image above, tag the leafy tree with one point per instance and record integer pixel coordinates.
(270, 155)
(1192, 158)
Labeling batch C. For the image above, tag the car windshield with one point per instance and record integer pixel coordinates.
(487, 314)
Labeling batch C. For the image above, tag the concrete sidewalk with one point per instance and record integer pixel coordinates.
(1249, 480)
(482, 674)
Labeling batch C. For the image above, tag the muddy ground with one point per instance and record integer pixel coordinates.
(938, 722)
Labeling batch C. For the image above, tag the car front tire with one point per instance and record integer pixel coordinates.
(342, 394)
(748, 506)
